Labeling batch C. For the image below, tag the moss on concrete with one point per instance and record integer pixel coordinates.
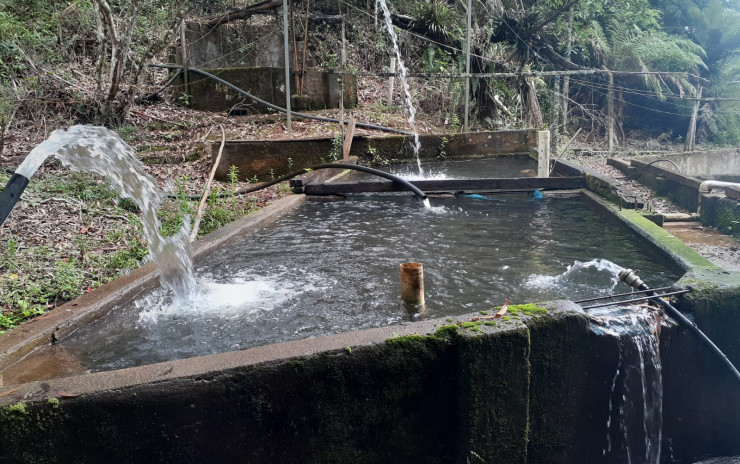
(674, 247)
(722, 213)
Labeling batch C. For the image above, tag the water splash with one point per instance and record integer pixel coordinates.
(634, 428)
(404, 82)
(100, 150)
(600, 273)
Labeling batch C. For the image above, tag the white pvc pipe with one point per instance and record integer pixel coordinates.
(708, 185)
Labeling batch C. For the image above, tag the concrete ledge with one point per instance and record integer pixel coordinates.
(603, 185)
(263, 158)
(434, 391)
(669, 246)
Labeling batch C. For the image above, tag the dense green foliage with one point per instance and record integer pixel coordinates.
(45, 45)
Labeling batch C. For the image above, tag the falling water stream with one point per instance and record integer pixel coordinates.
(634, 423)
(100, 150)
(404, 82)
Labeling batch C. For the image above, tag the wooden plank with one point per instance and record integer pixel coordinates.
(348, 136)
(451, 185)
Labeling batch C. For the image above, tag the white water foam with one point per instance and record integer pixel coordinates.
(603, 270)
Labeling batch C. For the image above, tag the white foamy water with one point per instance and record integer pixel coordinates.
(634, 424)
(599, 272)
(100, 150)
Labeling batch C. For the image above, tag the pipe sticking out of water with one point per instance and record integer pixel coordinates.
(412, 283)
(629, 277)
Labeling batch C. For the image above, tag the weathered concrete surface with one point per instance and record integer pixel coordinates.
(237, 44)
(603, 185)
(561, 409)
(278, 157)
(716, 210)
(701, 406)
(702, 163)
(681, 189)
(268, 84)
(721, 212)
(670, 247)
(418, 392)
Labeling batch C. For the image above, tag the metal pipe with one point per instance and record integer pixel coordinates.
(587, 300)
(412, 283)
(629, 277)
(287, 66)
(708, 185)
(634, 300)
(11, 194)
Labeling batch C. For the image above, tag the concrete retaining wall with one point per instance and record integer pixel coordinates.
(702, 163)
(277, 157)
(321, 90)
(529, 390)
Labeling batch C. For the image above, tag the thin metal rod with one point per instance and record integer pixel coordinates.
(287, 65)
(633, 300)
(660, 289)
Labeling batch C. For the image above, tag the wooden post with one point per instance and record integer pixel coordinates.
(691, 134)
(566, 79)
(610, 113)
(348, 136)
(184, 51)
(391, 82)
(543, 153)
(555, 123)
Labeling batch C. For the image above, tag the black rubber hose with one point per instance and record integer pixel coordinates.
(631, 279)
(11, 194)
(275, 107)
(422, 196)
(650, 164)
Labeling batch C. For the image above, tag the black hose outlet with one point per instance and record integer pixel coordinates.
(11, 194)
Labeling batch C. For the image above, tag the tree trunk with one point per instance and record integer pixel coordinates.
(530, 105)
(691, 134)
(610, 113)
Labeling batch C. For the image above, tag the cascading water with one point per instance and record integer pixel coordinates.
(404, 82)
(100, 150)
(634, 424)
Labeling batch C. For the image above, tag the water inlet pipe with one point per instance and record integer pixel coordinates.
(11, 194)
(708, 185)
(403, 182)
(629, 277)
(412, 283)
